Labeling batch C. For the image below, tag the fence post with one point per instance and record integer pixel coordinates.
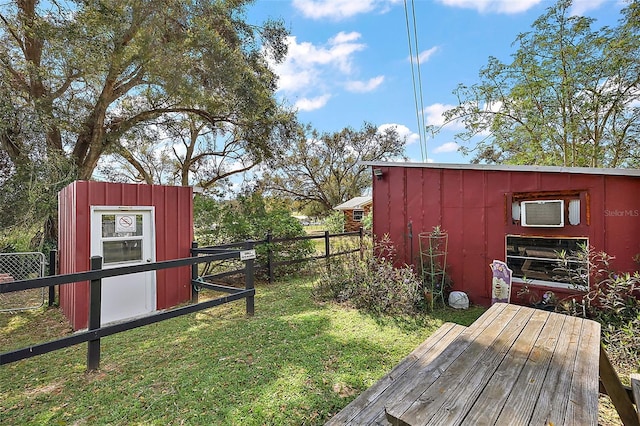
(361, 243)
(327, 247)
(52, 271)
(269, 257)
(194, 274)
(248, 278)
(327, 251)
(95, 300)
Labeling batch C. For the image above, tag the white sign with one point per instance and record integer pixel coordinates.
(125, 223)
(247, 254)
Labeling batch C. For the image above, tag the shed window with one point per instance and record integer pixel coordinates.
(536, 260)
(358, 215)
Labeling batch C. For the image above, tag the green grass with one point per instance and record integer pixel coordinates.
(295, 362)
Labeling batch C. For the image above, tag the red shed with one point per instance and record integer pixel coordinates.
(522, 215)
(126, 224)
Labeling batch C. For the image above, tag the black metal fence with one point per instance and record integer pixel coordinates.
(244, 252)
(95, 331)
(270, 265)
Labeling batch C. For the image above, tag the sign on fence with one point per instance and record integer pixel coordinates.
(247, 254)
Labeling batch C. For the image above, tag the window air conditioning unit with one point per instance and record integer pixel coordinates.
(543, 213)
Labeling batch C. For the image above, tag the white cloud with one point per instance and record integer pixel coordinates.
(493, 106)
(340, 9)
(365, 86)
(434, 116)
(306, 104)
(307, 65)
(403, 132)
(311, 72)
(578, 8)
(446, 147)
(496, 6)
(426, 54)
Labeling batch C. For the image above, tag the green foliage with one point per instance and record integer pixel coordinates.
(613, 300)
(334, 223)
(28, 196)
(248, 218)
(567, 98)
(367, 221)
(373, 283)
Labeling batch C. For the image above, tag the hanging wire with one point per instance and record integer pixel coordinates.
(423, 128)
(416, 80)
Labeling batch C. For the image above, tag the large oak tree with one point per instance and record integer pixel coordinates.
(76, 77)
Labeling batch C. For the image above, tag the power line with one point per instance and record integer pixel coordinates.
(416, 80)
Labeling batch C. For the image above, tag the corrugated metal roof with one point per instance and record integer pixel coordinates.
(354, 203)
(509, 168)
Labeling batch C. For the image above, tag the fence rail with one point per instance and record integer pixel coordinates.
(271, 265)
(244, 251)
(95, 331)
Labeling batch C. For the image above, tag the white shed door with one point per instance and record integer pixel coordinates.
(125, 237)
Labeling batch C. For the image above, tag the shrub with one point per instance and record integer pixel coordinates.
(248, 218)
(372, 283)
(612, 300)
(334, 223)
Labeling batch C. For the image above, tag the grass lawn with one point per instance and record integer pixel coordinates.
(296, 362)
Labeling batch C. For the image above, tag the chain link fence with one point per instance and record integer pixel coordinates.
(21, 266)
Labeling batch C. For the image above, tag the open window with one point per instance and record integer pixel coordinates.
(537, 260)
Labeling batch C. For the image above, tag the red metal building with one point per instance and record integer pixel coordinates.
(522, 215)
(126, 224)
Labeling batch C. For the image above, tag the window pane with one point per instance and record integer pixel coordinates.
(537, 258)
(122, 251)
(113, 225)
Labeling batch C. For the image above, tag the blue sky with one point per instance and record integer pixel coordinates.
(349, 60)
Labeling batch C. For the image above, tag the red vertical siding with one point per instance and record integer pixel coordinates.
(173, 227)
(472, 206)
(620, 214)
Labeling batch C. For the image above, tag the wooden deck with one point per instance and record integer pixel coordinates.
(513, 366)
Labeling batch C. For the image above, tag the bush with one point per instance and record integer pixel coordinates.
(248, 218)
(334, 223)
(372, 283)
(612, 300)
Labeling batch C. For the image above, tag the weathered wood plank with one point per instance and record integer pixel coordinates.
(483, 348)
(582, 408)
(369, 405)
(491, 402)
(552, 402)
(472, 383)
(514, 365)
(375, 413)
(519, 406)
(616, 392)
(407, 391)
